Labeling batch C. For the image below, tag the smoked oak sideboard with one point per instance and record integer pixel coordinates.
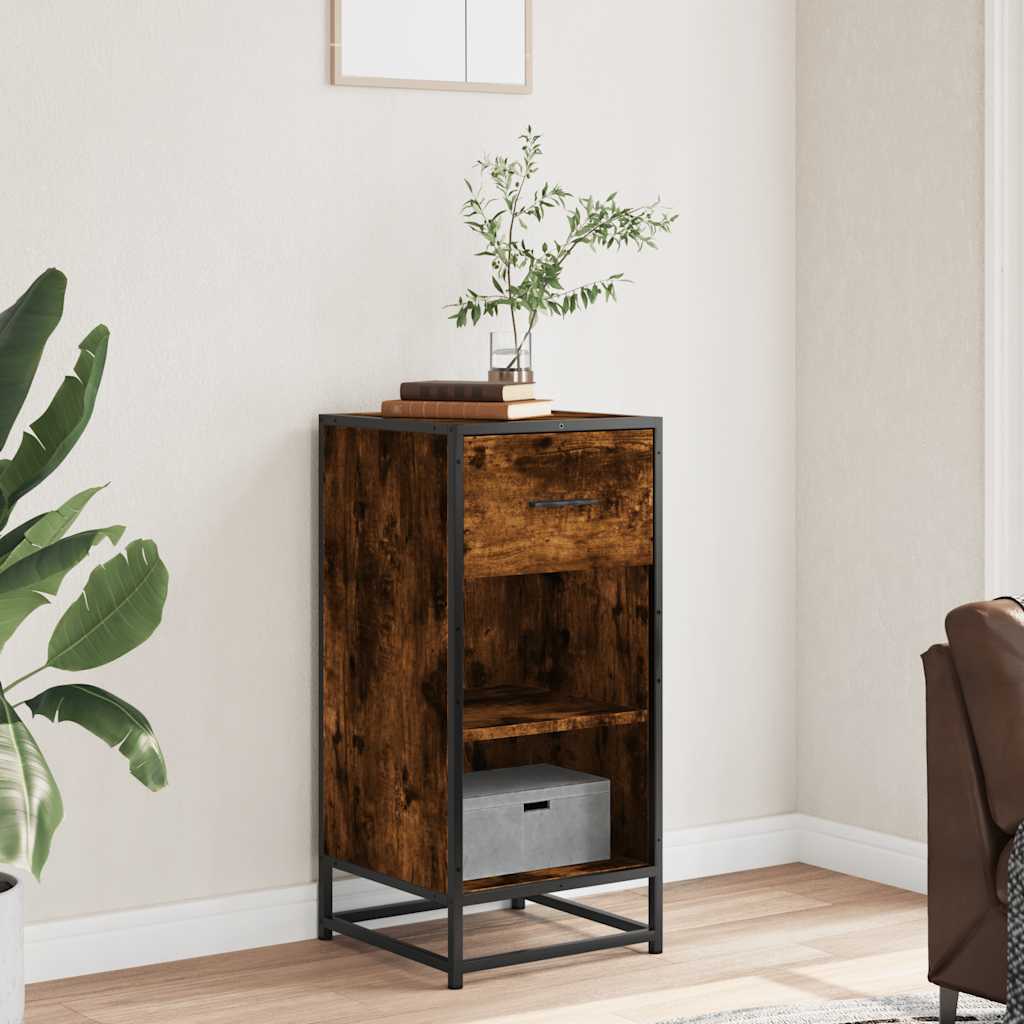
(490, 596)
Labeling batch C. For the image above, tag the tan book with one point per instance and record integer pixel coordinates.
(466, 410)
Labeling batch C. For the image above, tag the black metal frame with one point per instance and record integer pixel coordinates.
(626, 932)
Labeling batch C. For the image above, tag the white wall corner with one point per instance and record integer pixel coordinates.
(890, 860)
(1004, 365)
(133, 938)
(736, 846)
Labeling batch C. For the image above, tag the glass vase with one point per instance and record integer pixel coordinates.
(511, 357)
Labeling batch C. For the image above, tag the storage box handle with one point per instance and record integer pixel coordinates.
(564, 503)
(537, 805)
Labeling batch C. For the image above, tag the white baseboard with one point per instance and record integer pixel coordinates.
(132, 938)
(890, 860)
(735, 846)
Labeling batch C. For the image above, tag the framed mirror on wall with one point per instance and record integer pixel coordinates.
(466, 45)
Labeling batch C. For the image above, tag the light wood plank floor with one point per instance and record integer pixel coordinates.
(779, 935)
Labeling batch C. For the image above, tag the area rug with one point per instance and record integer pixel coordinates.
(892, 1010)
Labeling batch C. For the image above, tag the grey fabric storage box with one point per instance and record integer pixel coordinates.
(534, 817)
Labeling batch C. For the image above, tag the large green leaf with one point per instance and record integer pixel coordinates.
(19, 600)
(114, 721)
(54, 434)
(13, 537)
(15, 608)
(30, 803)
(44, 569)
(120, 607)
(24, 329)
(48, 528)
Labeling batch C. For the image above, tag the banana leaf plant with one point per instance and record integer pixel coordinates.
(119, 607)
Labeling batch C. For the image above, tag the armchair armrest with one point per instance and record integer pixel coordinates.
(966, 922)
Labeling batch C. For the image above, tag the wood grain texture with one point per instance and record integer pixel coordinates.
(581, 633)
(792, 934)
(502, 712)
(385, 652)
(505, 472)
(563, 871)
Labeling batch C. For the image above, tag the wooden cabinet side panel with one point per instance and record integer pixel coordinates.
(385, 661)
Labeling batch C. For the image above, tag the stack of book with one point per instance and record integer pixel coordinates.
(465, 400)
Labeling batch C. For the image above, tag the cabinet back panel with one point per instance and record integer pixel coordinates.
(385, 635)
(584, 633)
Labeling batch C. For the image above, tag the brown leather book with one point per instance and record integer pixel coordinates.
(466, 410)
(464, 391)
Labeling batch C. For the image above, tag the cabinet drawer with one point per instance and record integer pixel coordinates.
(555, 502)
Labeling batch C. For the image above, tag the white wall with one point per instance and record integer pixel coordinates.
(266, 247)
(889, 385)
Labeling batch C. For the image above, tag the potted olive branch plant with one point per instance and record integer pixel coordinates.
(119, 607)
(526, 279)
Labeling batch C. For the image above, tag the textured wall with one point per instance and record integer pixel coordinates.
(889, 385)
(265, 247)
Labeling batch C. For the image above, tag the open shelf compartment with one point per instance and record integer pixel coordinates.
(557, 672)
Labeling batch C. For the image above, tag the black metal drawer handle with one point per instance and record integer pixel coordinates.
(565, 503)
(540, 805)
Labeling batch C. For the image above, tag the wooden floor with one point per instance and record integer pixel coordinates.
(780, 935)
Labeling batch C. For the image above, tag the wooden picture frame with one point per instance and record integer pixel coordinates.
(339, 76)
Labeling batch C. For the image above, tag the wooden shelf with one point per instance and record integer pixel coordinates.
(500, 712)
(568, 871)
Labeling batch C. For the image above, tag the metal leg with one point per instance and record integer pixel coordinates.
(654, 913)
(519, 903)
(627, 932)
(455, 945)
(324, 899)
(654, 721)
(454, 889)
(948, 998)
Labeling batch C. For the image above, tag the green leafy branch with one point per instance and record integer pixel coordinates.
(528, 279)
(118, 609)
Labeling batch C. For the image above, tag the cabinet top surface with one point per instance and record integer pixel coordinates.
(558, 420)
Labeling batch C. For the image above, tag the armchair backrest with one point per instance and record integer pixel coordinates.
(986, 640)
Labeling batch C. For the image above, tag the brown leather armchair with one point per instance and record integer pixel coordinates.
(975, 704)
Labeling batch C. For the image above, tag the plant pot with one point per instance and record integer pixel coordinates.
(12, 951)
(511, 357)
